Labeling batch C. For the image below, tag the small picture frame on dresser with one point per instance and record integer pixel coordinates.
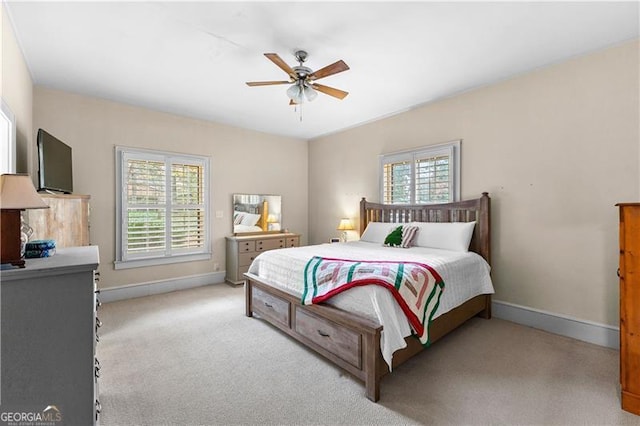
(334, 240)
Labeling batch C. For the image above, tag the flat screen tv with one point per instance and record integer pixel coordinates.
(55, 164)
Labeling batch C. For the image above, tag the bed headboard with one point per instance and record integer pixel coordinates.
(478, 209)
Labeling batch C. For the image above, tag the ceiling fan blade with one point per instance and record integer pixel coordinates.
(273, 57)
(334, 68)
(336, 93)
(266, 83)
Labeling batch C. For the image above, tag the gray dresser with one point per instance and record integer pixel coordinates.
(48, 336)
(241, 250)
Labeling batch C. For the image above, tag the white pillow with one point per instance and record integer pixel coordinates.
(455, 236)
(376, 232)
(250, 219)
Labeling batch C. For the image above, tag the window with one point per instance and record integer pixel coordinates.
(423, 176)
(7, 139)
(163, 208)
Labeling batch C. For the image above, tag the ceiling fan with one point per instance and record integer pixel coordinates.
(303, 79)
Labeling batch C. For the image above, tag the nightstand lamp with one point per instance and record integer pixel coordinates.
(17, 193)
(272, 223)
(344, 226)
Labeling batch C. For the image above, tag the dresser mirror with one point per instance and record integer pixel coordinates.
(257, 214)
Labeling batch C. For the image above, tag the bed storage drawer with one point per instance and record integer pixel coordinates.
(270, 306)
(344, 343)
(270, 244)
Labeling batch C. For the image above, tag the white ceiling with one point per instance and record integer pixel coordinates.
(193, 59)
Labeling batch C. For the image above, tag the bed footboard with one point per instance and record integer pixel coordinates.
(348, 340)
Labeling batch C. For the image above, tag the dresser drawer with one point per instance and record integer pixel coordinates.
(270, 244)
(245, 246)
(344, 343)
(242, 270)
(293, 241)
(245, 259)
(270, 306)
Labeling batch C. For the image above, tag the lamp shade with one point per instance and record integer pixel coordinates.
(345, 225)
(310, 93)
(300, 91)
(295, 93)
(18, 193)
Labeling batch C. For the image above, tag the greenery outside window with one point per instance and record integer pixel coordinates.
(162, 203)
(426, 175)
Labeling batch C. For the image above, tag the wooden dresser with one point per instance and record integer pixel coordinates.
(241, 250)
(66, 220)
(629, 273)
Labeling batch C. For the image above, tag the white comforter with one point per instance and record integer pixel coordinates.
(465, 275)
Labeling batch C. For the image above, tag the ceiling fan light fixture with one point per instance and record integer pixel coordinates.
(295, 93)
(302, 80)
(309, 93)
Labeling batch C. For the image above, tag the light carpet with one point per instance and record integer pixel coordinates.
(193, 358)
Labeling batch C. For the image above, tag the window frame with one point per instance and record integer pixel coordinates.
(452, 149)
(7, 150)
(125, 260)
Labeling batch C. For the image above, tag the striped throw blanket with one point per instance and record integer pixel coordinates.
(415, 286)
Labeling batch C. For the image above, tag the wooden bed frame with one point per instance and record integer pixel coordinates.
(351, 341)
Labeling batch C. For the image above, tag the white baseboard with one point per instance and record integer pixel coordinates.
(130, 291)
(587, 331)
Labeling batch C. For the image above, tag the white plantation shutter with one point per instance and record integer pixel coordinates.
(145, 203)
(424, 176)
(163, 208)
(187, 206)
(397, 181)
(434, 181)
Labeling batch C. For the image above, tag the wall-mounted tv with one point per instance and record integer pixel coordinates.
(55, 164)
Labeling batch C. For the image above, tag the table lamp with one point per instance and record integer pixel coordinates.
(344, 226)
(17, 193)
(273, 223)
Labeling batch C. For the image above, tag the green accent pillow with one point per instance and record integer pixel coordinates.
(394, 239)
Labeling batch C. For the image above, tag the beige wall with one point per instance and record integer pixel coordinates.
(556, 149)
(17, 91)
(242, 161)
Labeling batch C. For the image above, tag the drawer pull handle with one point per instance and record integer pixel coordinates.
(268, 305)
(323, 334)
(618, 272)
(98, 323)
